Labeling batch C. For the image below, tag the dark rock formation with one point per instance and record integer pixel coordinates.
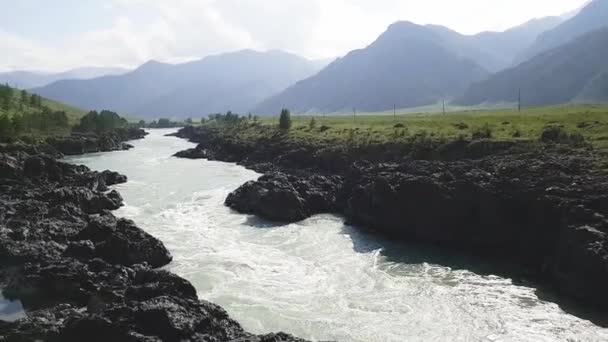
(103, 142)
(194, 153)
(284, 198)
(84, 275)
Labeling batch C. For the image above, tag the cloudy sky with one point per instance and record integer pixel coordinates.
(62, 34)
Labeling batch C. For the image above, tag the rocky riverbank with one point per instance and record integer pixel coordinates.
(540, 207)
(83, 274)
(89, 143)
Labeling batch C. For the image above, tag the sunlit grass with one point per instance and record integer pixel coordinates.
(505, 124)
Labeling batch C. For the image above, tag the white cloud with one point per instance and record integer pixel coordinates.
(177, 30)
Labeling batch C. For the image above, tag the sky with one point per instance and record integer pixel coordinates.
(59, 35)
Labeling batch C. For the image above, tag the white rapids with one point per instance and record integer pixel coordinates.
(318, 279)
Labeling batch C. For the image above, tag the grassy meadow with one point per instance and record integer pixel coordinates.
(590, 121)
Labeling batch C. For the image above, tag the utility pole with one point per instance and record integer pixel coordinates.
(519, 100)
(443, 107)
(394, 112)
(354, 114)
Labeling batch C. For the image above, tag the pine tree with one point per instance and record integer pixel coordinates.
(285, 119)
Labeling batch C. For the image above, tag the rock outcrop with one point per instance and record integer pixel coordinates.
(104, 142)
(84, 275)
(286, 198)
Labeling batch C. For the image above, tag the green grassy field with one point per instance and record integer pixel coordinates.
(591, 121)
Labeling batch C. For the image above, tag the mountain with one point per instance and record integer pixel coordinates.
(407, 66)
(576, 71)
(591, 17)
(32, 79)
(233, 81)
(496, 50)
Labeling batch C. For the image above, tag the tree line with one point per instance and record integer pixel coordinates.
(103, 121)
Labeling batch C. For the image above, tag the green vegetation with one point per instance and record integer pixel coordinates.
(22, 113)
(580, 123)
(162, 123)
(100, 122)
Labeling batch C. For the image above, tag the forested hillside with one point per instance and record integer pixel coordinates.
(24, 113)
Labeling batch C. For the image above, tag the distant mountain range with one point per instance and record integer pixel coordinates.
(408, 65)
(32, 79)
(568, 63)
(496, 50)
(233, 81)
(590, 18)
(575, 71)
(553, 60)
(412, 65)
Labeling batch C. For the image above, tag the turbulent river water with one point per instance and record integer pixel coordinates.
(318, 279)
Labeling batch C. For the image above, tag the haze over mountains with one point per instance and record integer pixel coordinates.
(577, 70)
(591, 17)
(233, 81)
(553, 59)
(32, 79)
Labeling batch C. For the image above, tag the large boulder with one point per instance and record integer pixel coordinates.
(272, 197)
(285, 198)
(9, 166)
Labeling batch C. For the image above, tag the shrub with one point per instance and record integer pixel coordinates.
(324, 128)
(558, 135)
(483, 132)
(461, 125)
(285, 119)
(554, 134)
(577, 139)
(399, 125)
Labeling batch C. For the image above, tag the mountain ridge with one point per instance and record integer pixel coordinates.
(384, 74)
(575, 70)
(199, 87)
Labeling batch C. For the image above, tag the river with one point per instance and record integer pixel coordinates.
(318, 279)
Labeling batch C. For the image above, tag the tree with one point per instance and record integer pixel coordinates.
(189, 121)
(35, 101)
(88, 123)
(141, 123)
(164, 123)
(6, 126)
(285, 119)
(313, 123)
(18, 123)
(6, 97)
(24, 97)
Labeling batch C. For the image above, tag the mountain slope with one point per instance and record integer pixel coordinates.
(31, 79)
(406, 66)
(496, 50)
(557, 76)
(232, 81)
(591, 17)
